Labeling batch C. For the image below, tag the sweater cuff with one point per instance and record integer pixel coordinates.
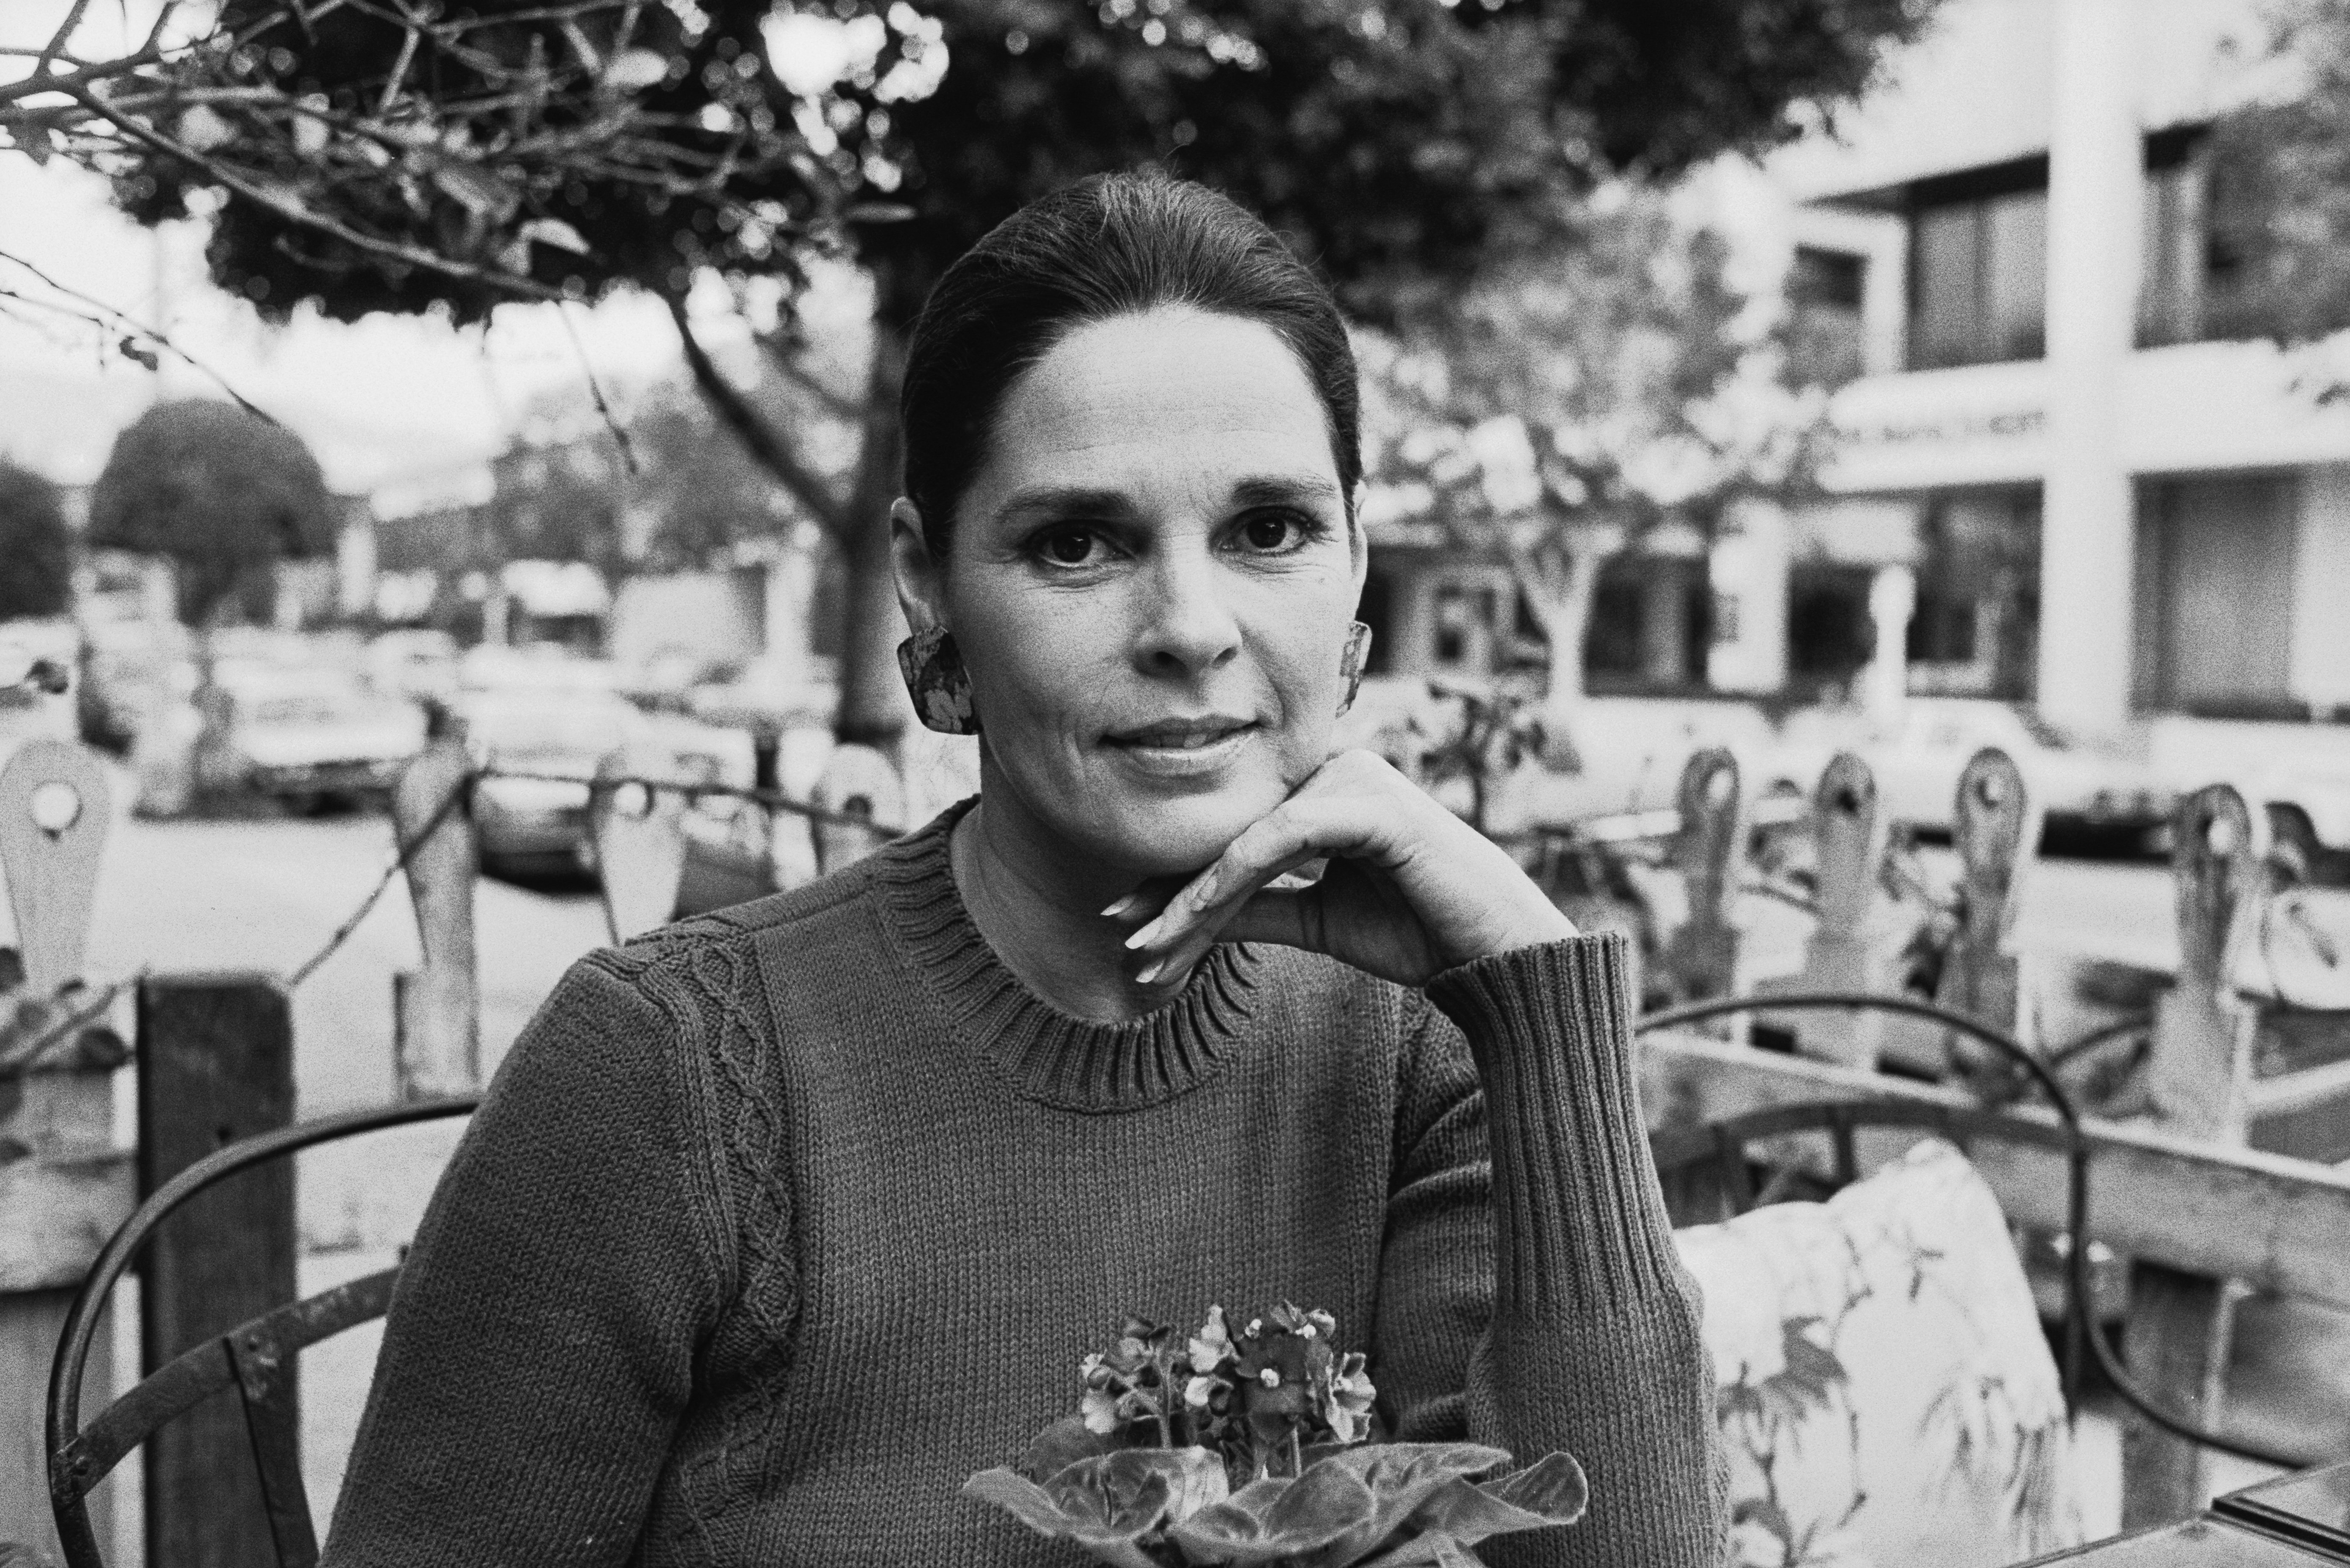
(1580, 1222)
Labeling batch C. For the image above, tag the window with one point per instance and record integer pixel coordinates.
(1975, 628)
(1467, 616)
(1978, 266)
(2170, 295)
(1651, 624)
(1825, 330)
(1830, 636)
(2215, 574)
(2194, 285)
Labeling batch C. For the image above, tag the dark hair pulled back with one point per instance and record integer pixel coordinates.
(1110, 245)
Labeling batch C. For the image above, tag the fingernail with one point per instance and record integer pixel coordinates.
(1141, 938)
(1149, 972)
(1120, 907)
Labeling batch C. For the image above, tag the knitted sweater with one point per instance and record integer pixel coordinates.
(779, 1223)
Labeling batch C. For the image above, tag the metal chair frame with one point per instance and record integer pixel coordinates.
(255, 1358)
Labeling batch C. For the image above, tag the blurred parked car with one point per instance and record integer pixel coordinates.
(555, 736)
(538, 666)
(312, 737)
(2308, 805)
(417, 664)
(2077, 787)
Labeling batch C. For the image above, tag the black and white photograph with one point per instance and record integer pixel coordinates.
(1174, 784)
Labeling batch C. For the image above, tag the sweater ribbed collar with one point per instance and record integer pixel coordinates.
(1046, 1055)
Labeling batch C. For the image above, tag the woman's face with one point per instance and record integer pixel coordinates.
(1151, 579)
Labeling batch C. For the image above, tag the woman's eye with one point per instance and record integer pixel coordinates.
(1272, 531)
(1068, 546)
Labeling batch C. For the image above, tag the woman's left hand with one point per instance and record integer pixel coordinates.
(1411, 891)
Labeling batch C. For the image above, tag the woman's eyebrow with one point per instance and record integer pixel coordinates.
(1292, 490)
(1063, 500)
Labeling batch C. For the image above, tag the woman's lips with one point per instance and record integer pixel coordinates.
(1185, 748)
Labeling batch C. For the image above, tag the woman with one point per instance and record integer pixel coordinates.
(780, 1223)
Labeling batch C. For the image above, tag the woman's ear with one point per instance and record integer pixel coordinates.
(1359, 537)
(922, 581)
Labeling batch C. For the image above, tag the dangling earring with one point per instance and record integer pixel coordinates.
(1351, 662)
(938, 683)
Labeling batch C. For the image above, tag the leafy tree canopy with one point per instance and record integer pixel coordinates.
(35, 546)
(383, 157)
(684, 496)
(221, 492)
(386, 155)
(1554, 412)
(2277, 178)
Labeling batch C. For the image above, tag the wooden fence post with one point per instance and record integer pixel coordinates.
(63, 1184)
(1995, 830)
(857, 782)
(436, 1011)
(1851, 853)
(215, 1064)
(639, 837)
(2197, 1077)
(55, 810)
(1701, 956)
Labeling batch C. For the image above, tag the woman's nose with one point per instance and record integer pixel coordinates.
(1188, 628)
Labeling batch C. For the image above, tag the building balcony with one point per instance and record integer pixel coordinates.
(2190, 407)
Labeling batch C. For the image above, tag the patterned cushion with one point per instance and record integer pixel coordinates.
(1886, 1392)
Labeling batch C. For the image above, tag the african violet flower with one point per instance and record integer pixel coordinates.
(1267, 1470)
(1347, 1404)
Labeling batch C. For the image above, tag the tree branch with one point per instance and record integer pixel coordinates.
(110, 319)
(56, 82)
(838, 404)
(411, 255)
(57, 39)
(734, 410)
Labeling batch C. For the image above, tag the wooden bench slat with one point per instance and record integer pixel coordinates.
(2276, 1223)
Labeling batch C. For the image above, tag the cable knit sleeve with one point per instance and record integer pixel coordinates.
(542, 1342)
(1531, 1296)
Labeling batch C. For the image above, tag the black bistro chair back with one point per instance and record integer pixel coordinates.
(255, 1358)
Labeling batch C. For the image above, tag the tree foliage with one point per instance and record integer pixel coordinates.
(685, 495)
(2277, 185)
(1556, 411)
(224, 494)
(385, 157)
(35, 546)
(381, 155)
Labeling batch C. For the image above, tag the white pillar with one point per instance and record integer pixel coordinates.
(2095, 175)
(1884, 684)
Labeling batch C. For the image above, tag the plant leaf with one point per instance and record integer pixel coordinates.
(1101, 1513)
(1194, 1477)
(1550, 1493)
(1439, 1550)
(1400, 1477)
(1061, 1445)
(1275, 1518)
(1553, 1486)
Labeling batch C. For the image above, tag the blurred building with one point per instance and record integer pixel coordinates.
(2098, 500)
(2065, 470)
